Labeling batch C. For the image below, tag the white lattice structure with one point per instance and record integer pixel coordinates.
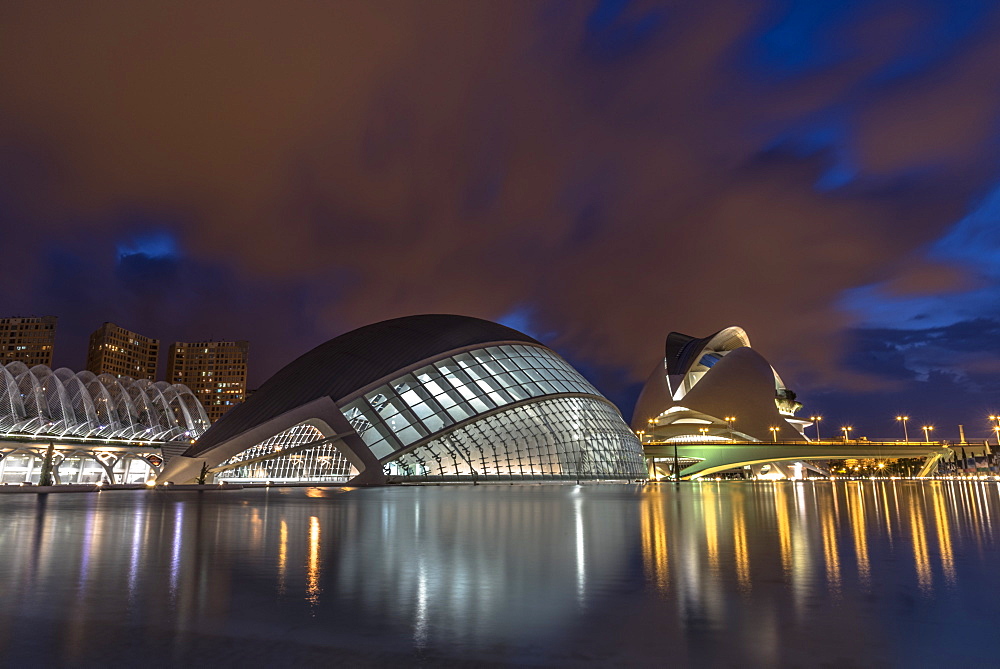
(282, 458)
(64, 404)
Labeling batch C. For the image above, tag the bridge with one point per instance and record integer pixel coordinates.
(711, 457)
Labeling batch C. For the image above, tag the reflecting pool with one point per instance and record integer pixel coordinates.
(725, 573)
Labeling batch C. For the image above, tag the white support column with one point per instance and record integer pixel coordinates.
(31, 466)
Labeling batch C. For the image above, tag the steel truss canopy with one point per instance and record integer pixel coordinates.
(61, 403)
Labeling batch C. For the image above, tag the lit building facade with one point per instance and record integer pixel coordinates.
(716, 388)
(433, 397)
(216, 371)
(30, 340)
(120, 352)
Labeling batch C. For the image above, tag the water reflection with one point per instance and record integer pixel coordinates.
(827, 517)
(943, 532)
(740, 548)
(312, 566)
(713, 572)
(282, 555)
(858, 518)
(921, 558)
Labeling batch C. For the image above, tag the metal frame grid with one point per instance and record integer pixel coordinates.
(319, 463)
(62, 403)
(557, 438)
(435, 398)
(453, 389)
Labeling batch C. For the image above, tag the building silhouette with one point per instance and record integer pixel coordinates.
(120, 352)
(216, 371)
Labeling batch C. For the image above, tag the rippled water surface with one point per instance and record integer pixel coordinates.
(887, 573)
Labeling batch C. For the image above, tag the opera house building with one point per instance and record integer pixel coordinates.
(716, 389)
(420, 398)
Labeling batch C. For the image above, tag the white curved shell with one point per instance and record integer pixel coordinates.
(63, 403)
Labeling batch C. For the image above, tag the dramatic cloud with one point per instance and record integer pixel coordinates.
(600, 172)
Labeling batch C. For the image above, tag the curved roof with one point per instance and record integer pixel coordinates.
(684, 350)
(354, 360)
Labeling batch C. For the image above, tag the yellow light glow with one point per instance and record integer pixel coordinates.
(313, 565)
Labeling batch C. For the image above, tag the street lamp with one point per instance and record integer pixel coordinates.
(903, 419)
(704, 431)
(927, 429)
(774, 433)
(846, 431)
(729, 421)
(816, 420)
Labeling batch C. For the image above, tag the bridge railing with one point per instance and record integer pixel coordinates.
(824, 442)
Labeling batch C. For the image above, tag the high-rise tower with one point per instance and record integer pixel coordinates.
(121, 352)
(27, 339)
(215, 370)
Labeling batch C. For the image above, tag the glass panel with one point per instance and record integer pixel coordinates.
(476, 372)
(434, 386)
(489, 383)
(464, 360)
(518, 393)
(480, 404)
(459, 413)
(376, 433)
(436, 422)
(422, 411)
(410, 434)
(520, 377)
(467, 393)
(377, 398)
(382, 449)
(450, 398)
(500, 398)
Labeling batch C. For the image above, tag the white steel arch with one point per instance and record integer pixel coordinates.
(62, 403)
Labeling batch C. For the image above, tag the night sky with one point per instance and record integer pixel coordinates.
(824, 173)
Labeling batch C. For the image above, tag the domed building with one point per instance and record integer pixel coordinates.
(432, 397)
(716, 388)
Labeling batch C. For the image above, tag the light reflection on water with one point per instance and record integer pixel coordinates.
(729, 572)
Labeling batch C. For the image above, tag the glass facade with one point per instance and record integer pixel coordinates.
(558, 438)
(317, 463)
(550, 439)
